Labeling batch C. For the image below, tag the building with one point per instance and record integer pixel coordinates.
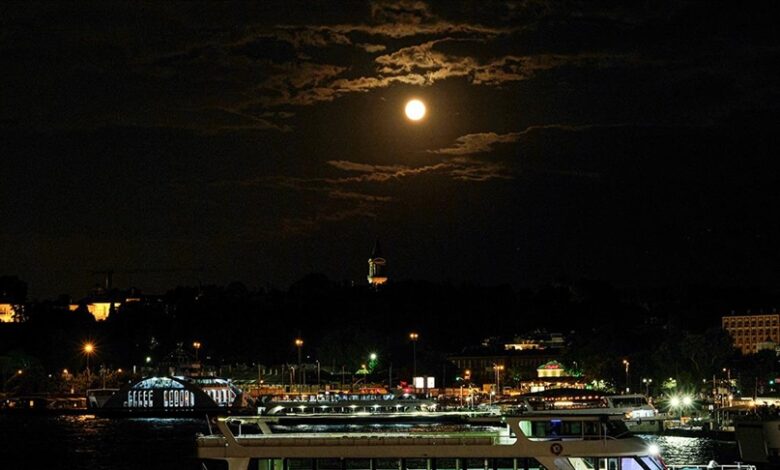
(539, 339)
(7, 313)
(376, 267)
(486, 366)
(751, 333)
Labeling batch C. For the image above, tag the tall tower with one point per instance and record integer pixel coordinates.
(376, 267)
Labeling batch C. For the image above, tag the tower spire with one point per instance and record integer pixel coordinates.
(376, 266)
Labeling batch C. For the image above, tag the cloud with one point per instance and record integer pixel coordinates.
(466, 169)
(379, 173)
(371, 48)
(477, 143)
(483, 141)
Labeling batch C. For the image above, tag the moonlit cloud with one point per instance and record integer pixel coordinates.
(477, 143)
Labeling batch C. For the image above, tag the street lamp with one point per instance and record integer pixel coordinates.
(626, 363)
(647, 383)
(413, 337)
(497, 368)
(299, 345)
(88, 349)
(196, 346)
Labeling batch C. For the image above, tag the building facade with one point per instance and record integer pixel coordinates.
(753, 332)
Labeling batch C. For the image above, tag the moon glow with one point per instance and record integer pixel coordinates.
(415, 110)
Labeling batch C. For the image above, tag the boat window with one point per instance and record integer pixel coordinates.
(653, 463)
(475, 464)
(572, 428)
(416, 464)
(608, 464)
(503, 464)
(298, 464)
(616, 428)
(629, 463)
(263, 464)
(358, 464)
(328, 464)
(446, 464)
(533, 464)
(583, 463)
(592, 428)
(387, 464)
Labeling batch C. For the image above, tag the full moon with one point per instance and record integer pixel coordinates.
(415, 110)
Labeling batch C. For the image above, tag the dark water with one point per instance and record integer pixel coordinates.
(88, 442)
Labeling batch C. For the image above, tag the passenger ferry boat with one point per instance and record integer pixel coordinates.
(345, 403)
(523, 443)
(639, 415)
(348, 407)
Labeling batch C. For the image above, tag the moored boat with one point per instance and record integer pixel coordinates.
(523, 443)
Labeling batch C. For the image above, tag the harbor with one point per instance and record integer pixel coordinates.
(90, 442)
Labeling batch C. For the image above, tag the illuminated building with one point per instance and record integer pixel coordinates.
(100, 305)
(99, 310)
(551, 369)
(539, 339)
(376, 267)
(522, 364)
(753, 332)
(7, 313)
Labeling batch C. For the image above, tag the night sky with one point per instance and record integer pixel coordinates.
(630, 142)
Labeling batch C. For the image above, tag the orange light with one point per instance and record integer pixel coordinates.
(298, 342)
(89, 348)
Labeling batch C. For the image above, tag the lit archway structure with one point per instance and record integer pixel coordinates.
(171, 394)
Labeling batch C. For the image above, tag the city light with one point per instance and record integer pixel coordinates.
(653, 449)
(88, 349)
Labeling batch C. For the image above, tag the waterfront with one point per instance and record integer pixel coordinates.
(89, 442)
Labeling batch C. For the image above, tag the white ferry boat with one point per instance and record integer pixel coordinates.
(524, 443)
(346, 403)
(639, 415)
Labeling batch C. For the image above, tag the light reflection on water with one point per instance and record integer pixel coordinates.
(677, 450)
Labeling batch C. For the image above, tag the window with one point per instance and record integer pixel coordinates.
(586, 463)
(358, 464)
(328, 464)
(446, 464)
(475, 464)
(387, 464)
(629, 463)
(299, 464)
(416, 464)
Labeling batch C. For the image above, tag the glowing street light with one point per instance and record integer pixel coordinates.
(414, 337)
(88, 349)
(497, 368)
(299, 345)
(647, 383)
(628, 386)
(196, 346)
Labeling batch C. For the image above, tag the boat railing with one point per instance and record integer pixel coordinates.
(713, 466)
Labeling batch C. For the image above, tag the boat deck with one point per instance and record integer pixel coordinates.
(356, 439)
